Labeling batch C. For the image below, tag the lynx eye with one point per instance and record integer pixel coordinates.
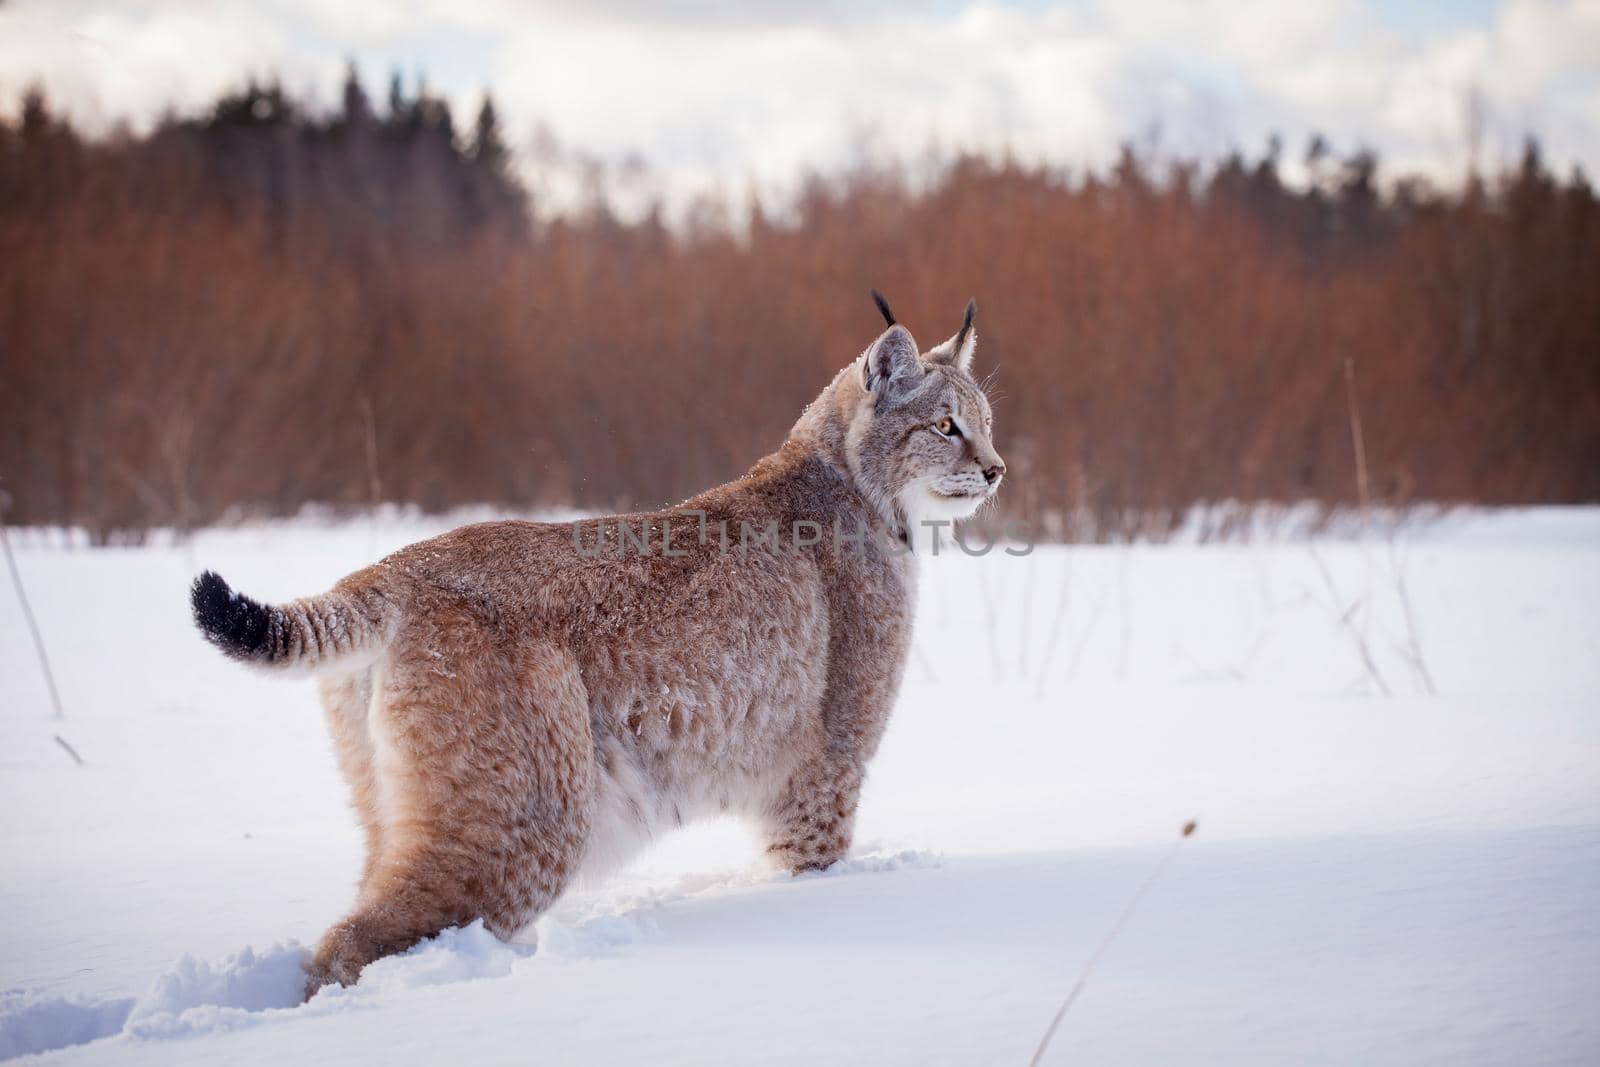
(947, 426)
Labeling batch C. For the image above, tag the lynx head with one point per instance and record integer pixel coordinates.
(917, 440)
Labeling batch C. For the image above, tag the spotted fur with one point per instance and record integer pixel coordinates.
(511, 712)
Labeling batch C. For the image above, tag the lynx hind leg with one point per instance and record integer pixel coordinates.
(811, 823)
(482, 766)
(345, 701)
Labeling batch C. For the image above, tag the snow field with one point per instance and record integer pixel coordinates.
(1392, 747)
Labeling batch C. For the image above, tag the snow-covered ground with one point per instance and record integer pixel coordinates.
(1392, 748)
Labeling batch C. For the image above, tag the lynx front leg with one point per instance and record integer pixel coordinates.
(811, 822)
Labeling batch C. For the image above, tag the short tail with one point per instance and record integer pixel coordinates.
(340, 627)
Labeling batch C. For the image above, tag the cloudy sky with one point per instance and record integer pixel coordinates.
(718, 94)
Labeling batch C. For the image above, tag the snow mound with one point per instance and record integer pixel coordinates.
(879, 861)
(250, 987)
(196, 996)
(598, 924)
(460, 954)
(245, 989)
(875, 859)
(33, 1022)
(596, 937)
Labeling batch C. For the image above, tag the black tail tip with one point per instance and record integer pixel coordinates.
(231, 621)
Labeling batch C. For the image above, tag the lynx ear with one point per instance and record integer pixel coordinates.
(891, 365)
(957, 352)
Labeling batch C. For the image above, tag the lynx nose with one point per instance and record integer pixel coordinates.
(994, 473)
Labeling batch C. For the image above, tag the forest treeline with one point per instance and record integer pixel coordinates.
(265, 307)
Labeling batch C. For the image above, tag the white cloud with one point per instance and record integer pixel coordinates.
(715, 94)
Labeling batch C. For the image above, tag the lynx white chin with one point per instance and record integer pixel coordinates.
(953, 506)
(924, 507)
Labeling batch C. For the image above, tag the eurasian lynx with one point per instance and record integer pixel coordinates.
(514, 702)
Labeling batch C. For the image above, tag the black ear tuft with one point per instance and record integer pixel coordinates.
(957, 352)
(966, 323)
(883, 306)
